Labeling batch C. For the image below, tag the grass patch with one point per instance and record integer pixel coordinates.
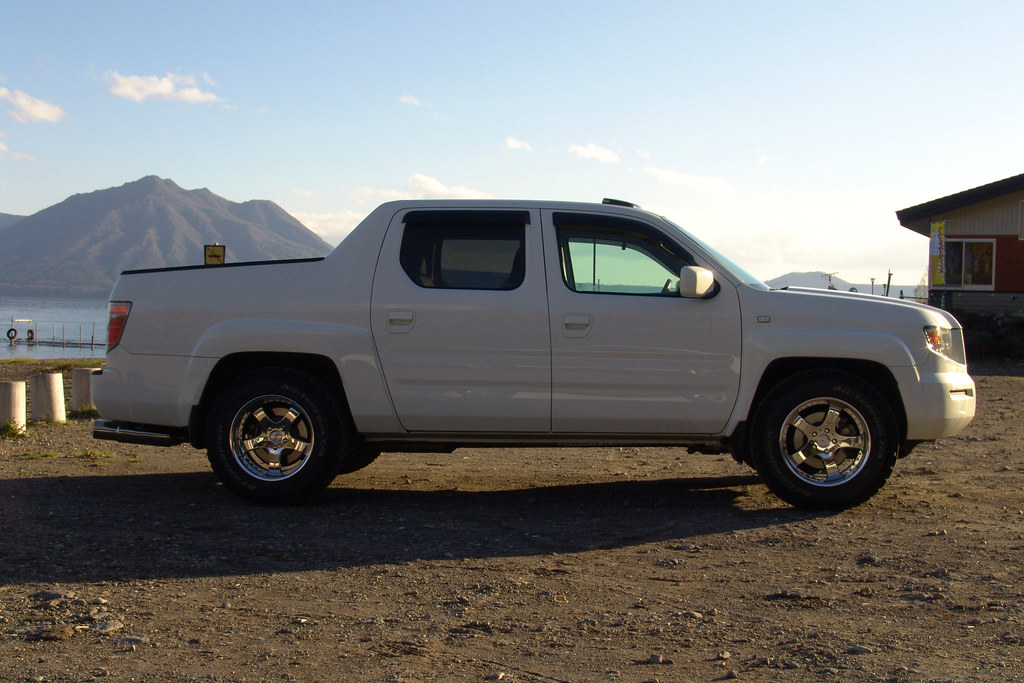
(90, 413)
(94, 457)
(12, 430)
(40, 456)
(55, 364)
(19, 369)
(69, 364)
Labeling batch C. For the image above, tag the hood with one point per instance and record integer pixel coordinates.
(858, 303)
(863, 325)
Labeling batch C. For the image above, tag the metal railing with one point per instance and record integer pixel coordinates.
(65, 335)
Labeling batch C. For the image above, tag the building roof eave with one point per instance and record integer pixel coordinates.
(907, 217)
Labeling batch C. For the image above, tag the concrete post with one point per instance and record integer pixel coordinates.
(12, 405)
(47, 392)
(81, 389)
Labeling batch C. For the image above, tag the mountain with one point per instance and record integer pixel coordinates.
(7, 220)
(79, 246)
(821, 280)
(816, 279)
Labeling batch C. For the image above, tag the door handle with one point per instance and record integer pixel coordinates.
(400, 322)
(576, 324)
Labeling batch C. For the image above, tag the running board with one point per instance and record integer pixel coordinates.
(110, 430)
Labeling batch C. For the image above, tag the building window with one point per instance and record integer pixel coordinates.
(970, 263)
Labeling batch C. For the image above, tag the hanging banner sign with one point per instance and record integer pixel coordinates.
(937, 254)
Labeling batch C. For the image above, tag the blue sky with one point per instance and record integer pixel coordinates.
(786, 134)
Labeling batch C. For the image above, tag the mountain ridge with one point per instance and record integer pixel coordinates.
(78, 247)
(821, 280)
(8, 219)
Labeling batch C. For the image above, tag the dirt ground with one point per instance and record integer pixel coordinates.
(130, 563)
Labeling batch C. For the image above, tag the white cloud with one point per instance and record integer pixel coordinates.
(28, 109)
(169, 87)
(420, 187)
(409, 99)
(514, 143)
(332, 227)
(365, 195)
(6, 153)
(431, 188)
(706, 185)
(595, 153)
(298, 191)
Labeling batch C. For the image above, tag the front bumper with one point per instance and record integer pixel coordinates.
(946, 403)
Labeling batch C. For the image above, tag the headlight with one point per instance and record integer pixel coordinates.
(939, 340)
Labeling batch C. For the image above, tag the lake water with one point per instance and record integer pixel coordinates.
(63, 328)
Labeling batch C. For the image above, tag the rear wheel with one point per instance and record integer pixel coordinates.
(276, 436)
(824, 440)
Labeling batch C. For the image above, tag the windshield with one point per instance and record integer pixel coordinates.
(724, 261)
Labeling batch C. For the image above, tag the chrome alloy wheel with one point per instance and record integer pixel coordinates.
(271, 437)
(825, 441)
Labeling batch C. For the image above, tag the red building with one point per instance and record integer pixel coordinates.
(982, 250)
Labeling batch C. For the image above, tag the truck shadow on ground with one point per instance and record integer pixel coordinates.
(102, 528)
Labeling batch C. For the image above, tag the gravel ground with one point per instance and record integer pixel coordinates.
(130, 563)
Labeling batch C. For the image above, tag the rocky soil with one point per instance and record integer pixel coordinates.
(130, 563)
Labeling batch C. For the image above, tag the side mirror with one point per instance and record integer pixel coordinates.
(695, 282)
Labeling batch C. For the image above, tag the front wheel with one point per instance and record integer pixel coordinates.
(824, 440)
(274, 436)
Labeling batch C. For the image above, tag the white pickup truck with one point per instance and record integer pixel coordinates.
(440, 324)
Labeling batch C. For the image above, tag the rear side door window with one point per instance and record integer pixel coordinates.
(482, 250)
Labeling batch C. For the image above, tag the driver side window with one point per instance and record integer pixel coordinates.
(609, 255)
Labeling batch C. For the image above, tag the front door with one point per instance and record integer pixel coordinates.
(629, 355)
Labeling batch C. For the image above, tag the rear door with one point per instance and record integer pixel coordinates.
(460, 320)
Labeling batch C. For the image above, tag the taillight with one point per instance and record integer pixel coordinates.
(118, 311)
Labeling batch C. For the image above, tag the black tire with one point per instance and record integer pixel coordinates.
(824, 440)
(12, 334)
(276, 436)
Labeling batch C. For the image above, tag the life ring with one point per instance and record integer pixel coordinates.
(30, 335)
(12, 334)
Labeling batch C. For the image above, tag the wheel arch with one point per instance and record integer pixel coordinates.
(232, 366)
(875, 374)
